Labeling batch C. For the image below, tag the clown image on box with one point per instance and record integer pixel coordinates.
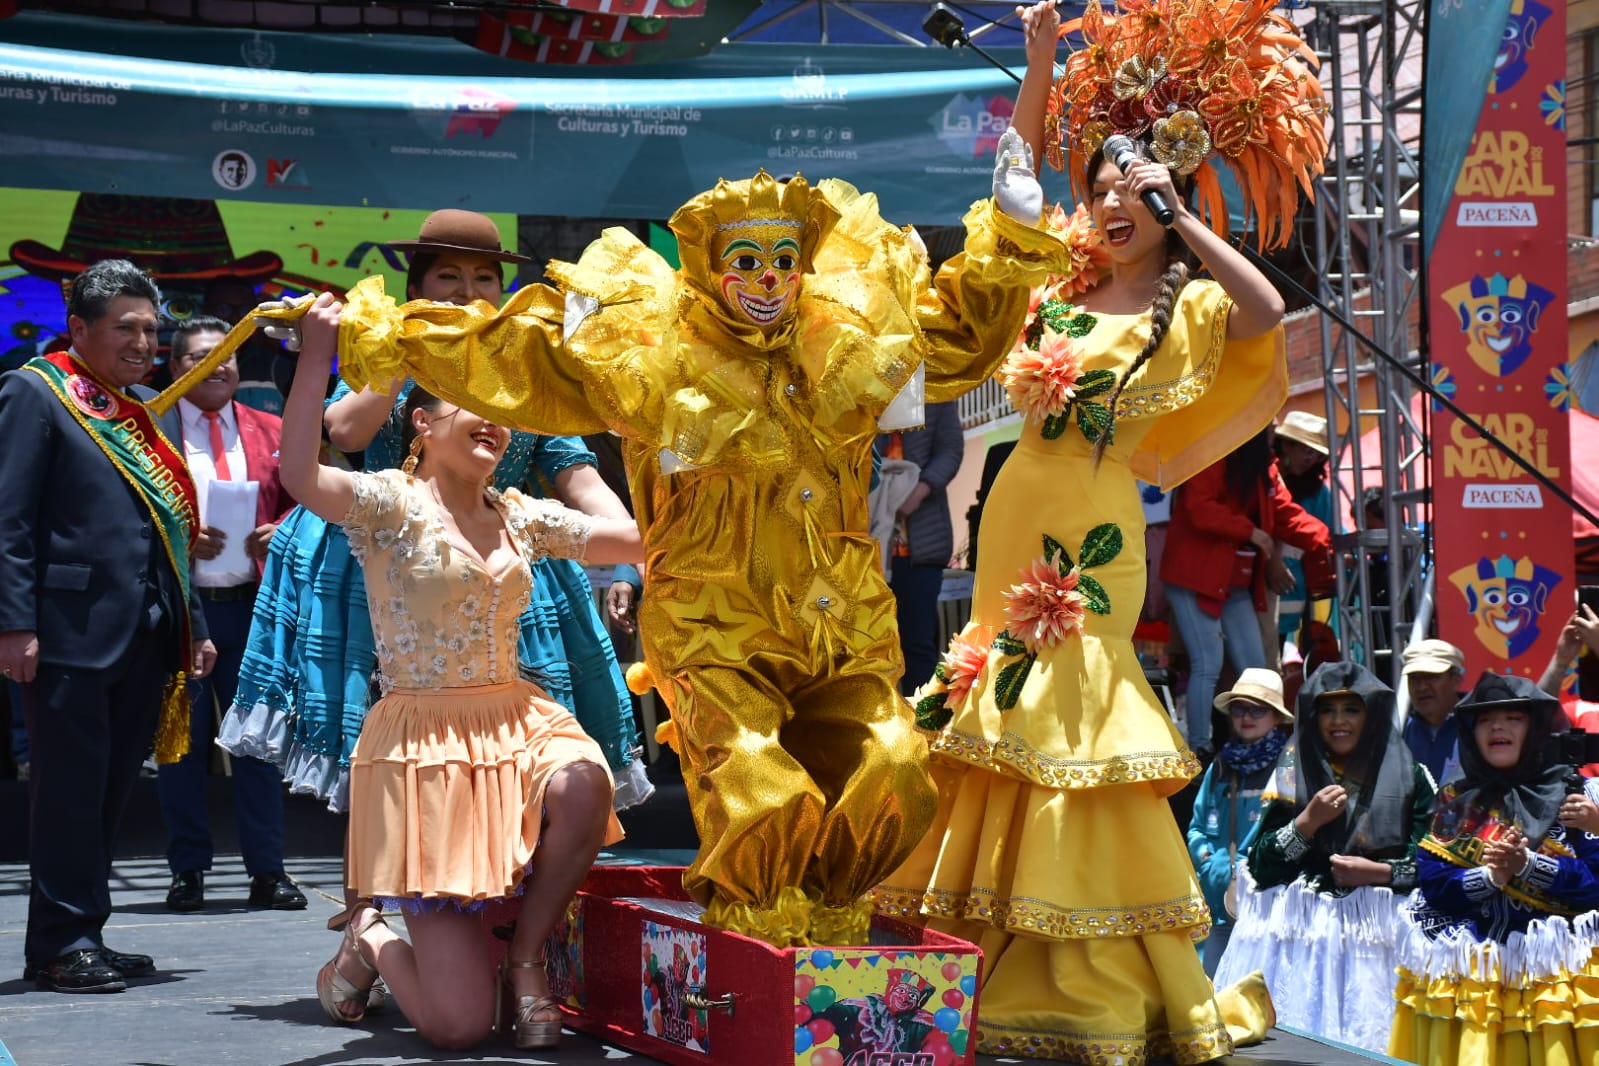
(747, 387)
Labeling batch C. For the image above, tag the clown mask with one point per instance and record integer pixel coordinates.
(760, 271)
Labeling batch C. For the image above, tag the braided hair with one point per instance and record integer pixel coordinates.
(1167, 289)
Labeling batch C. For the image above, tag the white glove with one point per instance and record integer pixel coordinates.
(277, 328)
(1016, 188)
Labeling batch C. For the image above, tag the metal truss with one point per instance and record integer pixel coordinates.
(1366, 250)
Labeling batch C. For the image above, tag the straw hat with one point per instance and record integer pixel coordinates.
(1305, 428)
(454, 230)
(1261, 685)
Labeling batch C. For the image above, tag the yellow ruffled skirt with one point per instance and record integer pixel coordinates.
(1533, 1001)
(447, 790)
(1085, 906)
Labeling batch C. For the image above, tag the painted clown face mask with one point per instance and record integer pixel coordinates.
(760, 272)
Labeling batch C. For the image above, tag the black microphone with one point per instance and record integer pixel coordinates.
(1119, 150)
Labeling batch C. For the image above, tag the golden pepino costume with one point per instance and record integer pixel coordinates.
(748, 386)
(1054, 848)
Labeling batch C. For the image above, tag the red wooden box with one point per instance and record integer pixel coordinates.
(635, 967)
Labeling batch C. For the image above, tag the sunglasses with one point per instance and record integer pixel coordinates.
(1241, 709)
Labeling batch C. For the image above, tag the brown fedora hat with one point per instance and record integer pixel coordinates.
(454, 230)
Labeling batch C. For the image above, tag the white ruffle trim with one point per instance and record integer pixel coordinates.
(261, 731)
(1551, 947)
(633, 786)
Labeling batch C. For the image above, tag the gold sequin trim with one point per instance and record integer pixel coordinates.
(1040, 918)
(1011, 755)
(1153, 398)
(1105, 1049)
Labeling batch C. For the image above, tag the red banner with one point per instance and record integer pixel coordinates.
(1504, 563)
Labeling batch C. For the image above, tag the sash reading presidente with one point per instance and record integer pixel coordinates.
(126, 431)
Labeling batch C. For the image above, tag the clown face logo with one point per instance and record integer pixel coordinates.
(1520, 30)
(760, 272)
(1499, 315)
(1508, 599)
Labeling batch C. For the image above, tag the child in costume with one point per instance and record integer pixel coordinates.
(1497, 960)
(748, 387)
(1227, 808)
(1054, 848)
(1332, 862)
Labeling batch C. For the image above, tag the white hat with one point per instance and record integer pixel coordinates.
(1306, 428)
(1433, 656)
(1261, 685)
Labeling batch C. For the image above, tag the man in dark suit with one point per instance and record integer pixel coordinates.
(96, 526)
(924, 537)
(223, 440)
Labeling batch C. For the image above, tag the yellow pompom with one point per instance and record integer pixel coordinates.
(666, 734)
(639, 678)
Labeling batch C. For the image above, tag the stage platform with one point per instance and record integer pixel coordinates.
(235, 988)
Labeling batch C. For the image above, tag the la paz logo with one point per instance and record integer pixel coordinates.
(970, 126)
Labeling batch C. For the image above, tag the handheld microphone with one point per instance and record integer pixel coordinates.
(1119, 150)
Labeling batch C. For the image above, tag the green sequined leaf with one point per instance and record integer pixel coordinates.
(1094, 383)
(1102, 544)
(1006, 644)
(1008, 686)
(1054, 548)
(1095, 598)
(1081, 326)
(1055, 313)
(1095, 421)
(932, 712)
(1055, 425)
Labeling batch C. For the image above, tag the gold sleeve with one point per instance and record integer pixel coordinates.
(972, 314)
(508, 365)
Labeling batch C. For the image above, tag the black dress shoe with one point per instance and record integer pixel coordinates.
(275, 892)
(128, 964)
(187, 892)
(84, 970)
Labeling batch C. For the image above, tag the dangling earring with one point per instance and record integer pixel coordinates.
(409, 466)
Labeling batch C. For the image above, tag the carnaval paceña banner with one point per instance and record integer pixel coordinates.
(629, 147)
(1497, 291)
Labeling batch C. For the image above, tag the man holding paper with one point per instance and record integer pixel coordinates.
(232, 453)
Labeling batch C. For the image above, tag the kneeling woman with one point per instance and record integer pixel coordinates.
(1496, 966)
(468, 784)
(1332, 862)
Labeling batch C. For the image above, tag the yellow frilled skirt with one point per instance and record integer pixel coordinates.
(1085, 905)
(1481, 1019)
(447, 790)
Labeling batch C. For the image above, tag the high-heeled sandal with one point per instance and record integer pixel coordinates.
(333, 987)
(537, 1020)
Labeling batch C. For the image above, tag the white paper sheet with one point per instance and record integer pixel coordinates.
(230, 507)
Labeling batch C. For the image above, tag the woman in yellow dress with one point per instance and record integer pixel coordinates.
(468, 783)
(1054, 848)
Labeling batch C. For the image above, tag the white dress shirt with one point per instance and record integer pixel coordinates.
(197, 451)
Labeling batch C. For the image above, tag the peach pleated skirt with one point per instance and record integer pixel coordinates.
(447, 791)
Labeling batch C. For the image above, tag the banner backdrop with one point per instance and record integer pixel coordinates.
(922, 140)
(1497, 287)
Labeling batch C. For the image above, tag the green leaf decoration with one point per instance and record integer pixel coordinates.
(1081, 326)
(1095, 598)
(1102, 544)
(941, 673)
(1055, 425)
(932, 711)
(1053, 548)
(1055, 314)
(1095, 421)
(1008, 686)
(1006, 644)
(1094, 383)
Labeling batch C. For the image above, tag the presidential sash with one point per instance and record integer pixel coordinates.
(126, 431)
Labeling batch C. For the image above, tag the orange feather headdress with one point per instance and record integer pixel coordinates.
(1197, 79)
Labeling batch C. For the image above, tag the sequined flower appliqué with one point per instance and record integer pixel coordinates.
(1044, 379)
(1048, 605)
(952, 681)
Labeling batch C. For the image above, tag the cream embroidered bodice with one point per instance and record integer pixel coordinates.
(440, 619)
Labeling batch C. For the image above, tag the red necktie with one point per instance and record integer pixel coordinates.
(219, 453)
